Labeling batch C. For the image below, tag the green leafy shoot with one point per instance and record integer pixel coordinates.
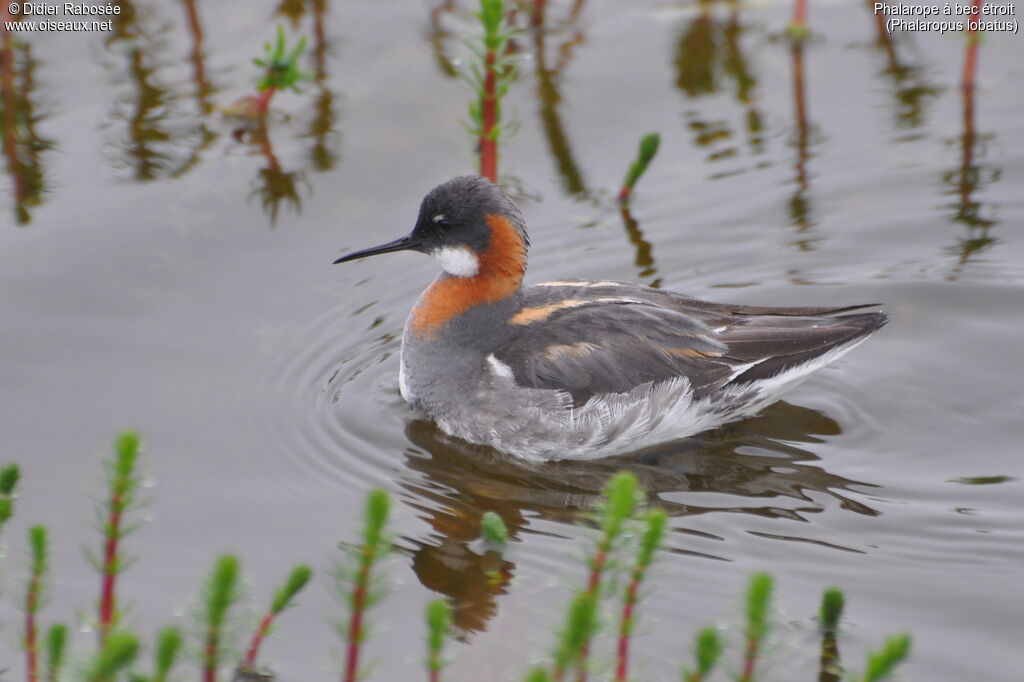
(759, 594)
(832, 603)
(881, 663)
(8, 482)
(220, 592)
(580, 627)
(56, 644)
(118, 653)
(280, 65)
(648, 148)
(707, 650)
(284, 594)
(168, 646)
(494, 530)
(439, 619)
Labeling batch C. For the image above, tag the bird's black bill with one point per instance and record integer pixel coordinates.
(404, 244)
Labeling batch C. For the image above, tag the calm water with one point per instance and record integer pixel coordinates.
(159, 272)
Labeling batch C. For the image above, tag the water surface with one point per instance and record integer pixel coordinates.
(159, 271)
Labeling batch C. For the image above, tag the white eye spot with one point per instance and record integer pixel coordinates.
(438, 218)
(457, 261)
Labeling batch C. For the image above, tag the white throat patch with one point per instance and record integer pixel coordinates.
(457, 261)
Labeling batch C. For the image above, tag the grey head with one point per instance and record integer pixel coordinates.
(455, 217)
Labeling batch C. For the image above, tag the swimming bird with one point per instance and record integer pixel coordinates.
(574, 369)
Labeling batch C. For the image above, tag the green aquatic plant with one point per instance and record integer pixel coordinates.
(645, 154)
(220, 593)
(622, 495)
(122, 484)
(357, 586)
(39, 547)
(650, 542)
(574, 638)
(832, 604)
(280, 68)
(707, 649)
(490, 74)
(494, 530)
(168, 646)
(8, 482)
(283, 597)
(797, 29)
(758, 601)
(624, 529)
(56, 644)
(438, 619)
(882, 662)
(117, 654)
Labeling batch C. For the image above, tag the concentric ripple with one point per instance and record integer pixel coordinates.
(329, 401)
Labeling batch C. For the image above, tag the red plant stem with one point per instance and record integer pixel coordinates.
(257, 639)
(263, 100)
(626, 627)
(210, 655)
(799, 13)
(971, 59)
(488, 137)
(624, 194)
(355, 627)
(749, 659)
(31, 645)
(108, 598)
(596, 569)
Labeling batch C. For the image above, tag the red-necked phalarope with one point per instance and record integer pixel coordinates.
(575, 369)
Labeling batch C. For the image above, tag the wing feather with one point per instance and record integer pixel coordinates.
(615, 338)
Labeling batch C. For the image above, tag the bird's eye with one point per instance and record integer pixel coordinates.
(439, 218)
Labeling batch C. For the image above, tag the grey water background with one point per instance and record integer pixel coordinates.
(161, 273)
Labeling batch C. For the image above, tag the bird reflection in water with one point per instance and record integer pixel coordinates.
(757, 461)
